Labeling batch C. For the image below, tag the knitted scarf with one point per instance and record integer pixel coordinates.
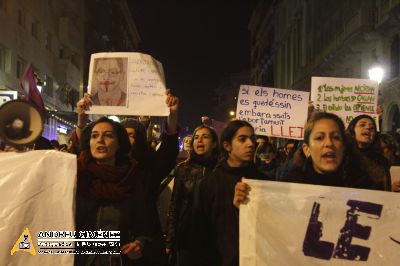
(105, 182)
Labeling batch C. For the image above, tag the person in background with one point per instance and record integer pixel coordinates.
(55, 144)
(267, 160)
(290, 149)
(363, 133)
(185, 151)
(154, 166)
(188, 175)
(217, 220)
(388, 149)
(260, 139)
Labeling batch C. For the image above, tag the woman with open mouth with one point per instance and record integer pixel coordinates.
(202, 159)
(362, 131)
(326, 158)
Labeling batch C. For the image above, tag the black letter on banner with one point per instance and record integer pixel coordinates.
(312, 245)
(344, 249)
(245, 91)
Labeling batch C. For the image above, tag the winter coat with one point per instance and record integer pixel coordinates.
(188, 176)
(217, 219)
(152, 170)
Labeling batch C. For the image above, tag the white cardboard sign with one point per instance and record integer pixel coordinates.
(345, 97)
(127, 84)
(297, 224)
(273, 112)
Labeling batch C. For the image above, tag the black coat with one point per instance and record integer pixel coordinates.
(217, 219)
(155, 166)
(136, 216)
(188, 176)
(350, 176)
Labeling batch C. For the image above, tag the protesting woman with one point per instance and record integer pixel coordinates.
(115, 192)
(326, 158)
(202, 159)
(362, 131)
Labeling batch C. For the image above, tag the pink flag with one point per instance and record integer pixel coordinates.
(28, 83)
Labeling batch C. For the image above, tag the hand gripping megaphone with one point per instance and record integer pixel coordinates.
(20, 123)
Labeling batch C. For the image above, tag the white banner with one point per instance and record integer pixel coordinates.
(273, 112)
(37, 193)
(295, 224)
(127, 84)
(345, 97)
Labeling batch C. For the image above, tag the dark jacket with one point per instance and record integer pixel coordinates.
(378, 167)
(129, 216)
(188, 176)
(152, 169)
(217, 219)
(137, 215)
(352, 173)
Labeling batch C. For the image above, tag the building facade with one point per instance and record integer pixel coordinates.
(332, 38)
(49, 35)
(109, 27)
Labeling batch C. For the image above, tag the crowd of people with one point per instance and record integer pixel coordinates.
(121, 174)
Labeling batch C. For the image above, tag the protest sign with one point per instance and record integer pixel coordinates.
(273, 112)
(37, 193)
(395, 173)
(297, 224)
(127, 84)
(345, 97)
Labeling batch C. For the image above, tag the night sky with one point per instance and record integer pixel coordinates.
(198, 43)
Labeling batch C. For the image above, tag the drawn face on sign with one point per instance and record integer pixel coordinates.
(364, 132)
(325, 147)
(109, 74)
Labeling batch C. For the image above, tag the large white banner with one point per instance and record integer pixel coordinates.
(273, 112)
(295, 224)
(37, 190)
(345, 97)
(127, 84)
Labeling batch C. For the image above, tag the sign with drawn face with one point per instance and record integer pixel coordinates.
(345, 97)
(127, 84)
(273, 112)
(297, 224)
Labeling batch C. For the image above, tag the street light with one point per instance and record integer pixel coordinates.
(114, 118)
(376, 74)
(232, 113)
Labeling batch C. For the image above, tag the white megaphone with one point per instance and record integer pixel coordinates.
(20, 123)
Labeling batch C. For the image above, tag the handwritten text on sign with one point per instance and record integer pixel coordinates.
(273, 112)
(347, 98)
(299, 224)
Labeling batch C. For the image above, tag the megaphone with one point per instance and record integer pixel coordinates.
(20, 123)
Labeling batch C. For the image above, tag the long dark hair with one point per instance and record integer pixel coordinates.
(214, 136)
(352, 166)
(122, 136)
(351, 131)
(227, 135)
(141, 149)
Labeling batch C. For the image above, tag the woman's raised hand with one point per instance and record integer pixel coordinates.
(84, 104)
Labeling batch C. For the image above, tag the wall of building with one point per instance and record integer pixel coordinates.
(333, 38)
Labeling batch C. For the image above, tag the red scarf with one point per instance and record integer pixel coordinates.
(105, 182)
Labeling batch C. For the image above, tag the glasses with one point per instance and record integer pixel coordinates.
(112, 72)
